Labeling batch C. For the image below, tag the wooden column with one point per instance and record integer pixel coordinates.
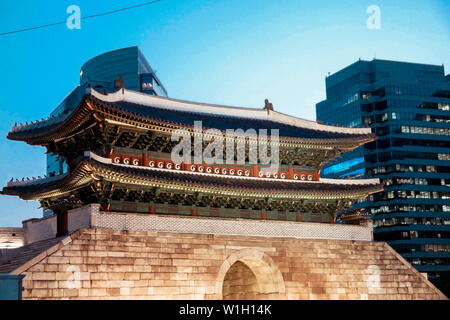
(290, 174)
(62, 222)
(332, 219)
(105, 206)
(255, 171)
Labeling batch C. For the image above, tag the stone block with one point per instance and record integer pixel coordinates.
(44, 275)
(58, 260)
(97, 292)
(131, 276)
(113, 292)
(71, 292)
(39, 293)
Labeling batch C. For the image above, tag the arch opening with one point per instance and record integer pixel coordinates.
(250, 275)
(240, 283)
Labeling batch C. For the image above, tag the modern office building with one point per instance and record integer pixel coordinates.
(407, 105)
(101, 72)
(129, 63)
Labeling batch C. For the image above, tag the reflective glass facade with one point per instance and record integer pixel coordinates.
(407, 107)
(129, 63)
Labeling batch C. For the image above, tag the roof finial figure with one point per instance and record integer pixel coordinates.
(268, 106)
(118, 83)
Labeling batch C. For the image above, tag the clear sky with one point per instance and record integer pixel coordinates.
(233, 52)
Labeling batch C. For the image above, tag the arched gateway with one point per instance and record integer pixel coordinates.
(250, 274)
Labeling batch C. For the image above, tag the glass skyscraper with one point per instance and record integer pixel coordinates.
(407, 105)
(100, 73)
(129, 63)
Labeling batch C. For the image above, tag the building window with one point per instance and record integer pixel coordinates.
(339, 167)
(444, 106)
(423, 130)
(443, 156)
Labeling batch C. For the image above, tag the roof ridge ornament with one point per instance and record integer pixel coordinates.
(268, 106)
(119, 83)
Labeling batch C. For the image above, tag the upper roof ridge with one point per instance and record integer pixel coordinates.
(131, 96)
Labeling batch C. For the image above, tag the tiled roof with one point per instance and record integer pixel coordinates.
(222, 122)
(143, 106)
(134, 175)
(14, 258)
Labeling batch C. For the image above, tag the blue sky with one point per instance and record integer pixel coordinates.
(230, 52)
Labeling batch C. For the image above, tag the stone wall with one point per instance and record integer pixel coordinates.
(81, 217)
(11, 238)
(39, 229)
(107, 264)
(45, 228)
(90, 216)
(227, 226)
